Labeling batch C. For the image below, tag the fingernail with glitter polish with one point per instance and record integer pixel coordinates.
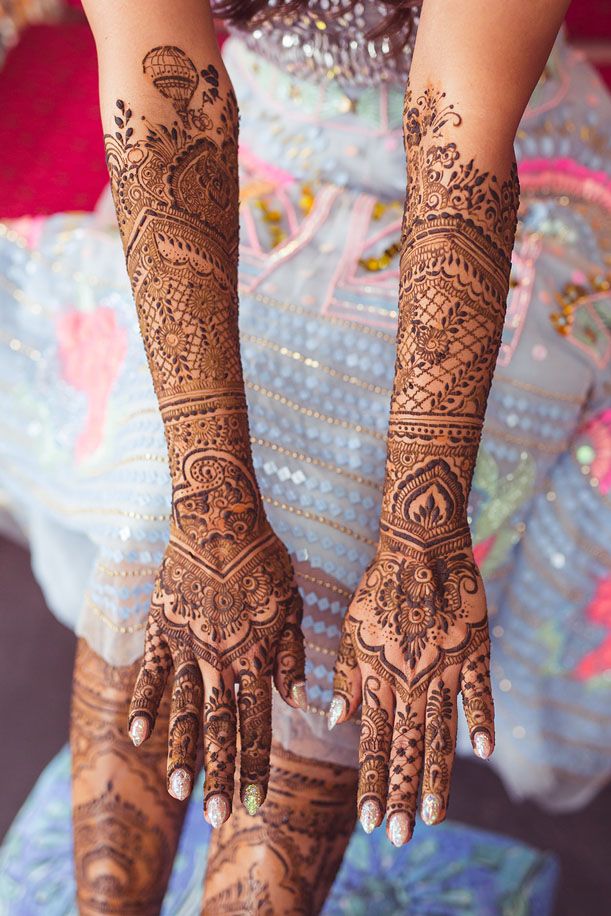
(431, 808)
(336, 709)
(398, 828)
(253, 798)
(138, 730)
(299, 695)
(217, 810)
(370, 815)
(180, 784)
(482, 745)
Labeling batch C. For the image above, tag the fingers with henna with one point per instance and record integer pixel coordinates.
(150, 684)
(289, 666)
(477, 701)
(347, 680)
(183, 732)
(404, 770)
(255, 715)
(439, 746)
(374, 749)
(219, 725)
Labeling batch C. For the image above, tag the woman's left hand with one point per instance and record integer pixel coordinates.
(415, 633)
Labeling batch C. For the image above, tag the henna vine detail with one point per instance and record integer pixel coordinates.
(417, 624)
(225, 610)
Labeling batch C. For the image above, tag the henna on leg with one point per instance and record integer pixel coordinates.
(285, 858)
(126, 826)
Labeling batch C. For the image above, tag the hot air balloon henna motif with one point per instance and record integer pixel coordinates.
(225, 599)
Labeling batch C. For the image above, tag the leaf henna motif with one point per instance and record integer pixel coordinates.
(225, 606)
(417, 623)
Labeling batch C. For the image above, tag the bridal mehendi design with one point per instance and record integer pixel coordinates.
(417, 623)
(225, 609)
(126, 826)
(284, 860)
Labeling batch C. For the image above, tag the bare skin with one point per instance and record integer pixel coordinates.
(416, 631)
(225, 610)
(126, 826)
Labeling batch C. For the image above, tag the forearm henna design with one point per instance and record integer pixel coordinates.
(417, 624)
(225, 607)
(126, 826)
(285, 859)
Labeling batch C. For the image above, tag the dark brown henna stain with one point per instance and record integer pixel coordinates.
(225, 588)
(126, 826)
(420, 609)
(284, 860)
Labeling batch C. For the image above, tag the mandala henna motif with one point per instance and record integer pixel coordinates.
(418, 619)
(224, 601)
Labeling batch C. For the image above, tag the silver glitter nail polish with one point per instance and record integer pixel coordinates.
(431, 808)
(217, 810)
(482, 745)
(299, 695)
(253, 798)
(138, 731)
(180, 784)
(337, 707)
(398, 829)
(370, 815)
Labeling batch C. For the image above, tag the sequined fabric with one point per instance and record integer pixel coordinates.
(328, 41)
(319, 285)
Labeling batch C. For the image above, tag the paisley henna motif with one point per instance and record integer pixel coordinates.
(417, 624)
(225, 609)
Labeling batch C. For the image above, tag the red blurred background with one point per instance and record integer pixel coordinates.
(51, 153)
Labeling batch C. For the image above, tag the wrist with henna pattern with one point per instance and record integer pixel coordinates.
(225, 609)
(416, 631)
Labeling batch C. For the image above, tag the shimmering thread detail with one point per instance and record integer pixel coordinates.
(315, 462)
(315, 364)
(292, 309)
(310, 516)
(116, 628)
(315, 414)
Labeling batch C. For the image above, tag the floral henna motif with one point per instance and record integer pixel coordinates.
(284, 860)
(418, 619)
(225, 609)
(126, 826)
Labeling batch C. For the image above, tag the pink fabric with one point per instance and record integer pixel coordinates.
(481, 550)
(92, 349)
(51, 148)
(598, 612)
(599, 431)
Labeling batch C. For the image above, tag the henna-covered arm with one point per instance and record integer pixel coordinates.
(225, 609)
(417, 625)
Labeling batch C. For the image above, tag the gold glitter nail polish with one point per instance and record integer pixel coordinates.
(217, 810)
(138, 730)
(337, 707)
(482, 745)
(431, 808)
(398, 828)
(370, 815)
(299, 695)
(253, 798)
(180, 784)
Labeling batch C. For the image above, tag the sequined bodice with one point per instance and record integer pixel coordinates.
(320, 44)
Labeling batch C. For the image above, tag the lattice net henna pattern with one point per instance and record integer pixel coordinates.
(225, 596)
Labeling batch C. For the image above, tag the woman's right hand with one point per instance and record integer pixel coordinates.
(225, 612)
